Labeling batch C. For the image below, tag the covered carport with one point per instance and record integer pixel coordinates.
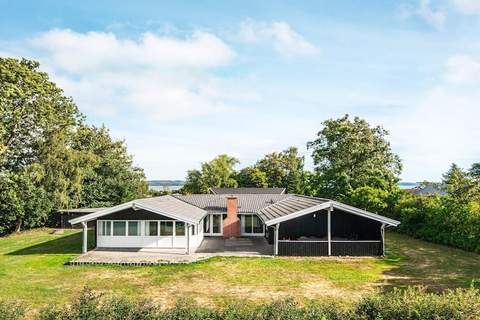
(305, 226)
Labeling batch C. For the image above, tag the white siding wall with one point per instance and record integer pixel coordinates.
(143, 241)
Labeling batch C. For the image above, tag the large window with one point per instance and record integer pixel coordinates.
(133, 228)
(252, 224)
(179, 228)
(105, 228)
(166, 228)
(119, 228)
(151, 228)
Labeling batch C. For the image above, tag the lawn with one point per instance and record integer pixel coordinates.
(32, 268)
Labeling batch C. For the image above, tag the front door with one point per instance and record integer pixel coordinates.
(213, 225)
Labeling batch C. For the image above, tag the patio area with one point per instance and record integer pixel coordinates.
(210, 247)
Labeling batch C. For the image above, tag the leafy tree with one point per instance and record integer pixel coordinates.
(33, 114)
(373, 199)
(475, 170)
(217, 173)
(32, 109)
(113, 179)
(460, 185)
(350, 155)
(194, 183)
(23, 201)
(252, 177)
(49, 159)
(284, 170)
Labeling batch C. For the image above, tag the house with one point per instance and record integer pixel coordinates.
(294, 225)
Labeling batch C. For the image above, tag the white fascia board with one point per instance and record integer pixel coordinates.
(127, 205)
(298, 213)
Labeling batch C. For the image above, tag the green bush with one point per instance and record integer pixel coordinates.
(440, 219)
(409, 304)
(415, 303)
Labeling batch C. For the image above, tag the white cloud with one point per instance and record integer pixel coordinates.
(467, 6)
(436, 18)
(463, 69)
(279, 34)
(159, 77)
(80, 52)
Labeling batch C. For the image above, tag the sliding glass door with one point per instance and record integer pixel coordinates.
(251, 225)
(213, 225)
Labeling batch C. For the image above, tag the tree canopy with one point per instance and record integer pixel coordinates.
(217, 173)
(49, 159)
(354, 163)
(284, 169)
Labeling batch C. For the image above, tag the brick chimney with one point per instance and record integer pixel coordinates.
(231, 225)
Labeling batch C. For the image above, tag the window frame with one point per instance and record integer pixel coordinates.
(126, 228)
(250, 232)
(139, 228)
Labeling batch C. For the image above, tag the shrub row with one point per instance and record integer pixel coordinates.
(441, 220)
(412, 303)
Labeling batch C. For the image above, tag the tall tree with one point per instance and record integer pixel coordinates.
(460, 185)
(353, 158)
(49, 159)
(252, 177)
(33, 113)
(217, 173)
(113, 179)
(284, 169)
(32, 109)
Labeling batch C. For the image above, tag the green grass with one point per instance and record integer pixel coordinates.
(32, 269)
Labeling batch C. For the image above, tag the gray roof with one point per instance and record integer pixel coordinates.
(271, 208)
(164, 205)
(247, 203)
(174, 206)
(247, 190)
(290, 204)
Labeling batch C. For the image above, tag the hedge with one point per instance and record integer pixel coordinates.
(409, 304)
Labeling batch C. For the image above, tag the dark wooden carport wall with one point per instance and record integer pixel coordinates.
(351, 235)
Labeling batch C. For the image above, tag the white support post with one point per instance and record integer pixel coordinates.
(187, 247)
(382, 229)
(85, 239)
(277, 228)
(329, 229)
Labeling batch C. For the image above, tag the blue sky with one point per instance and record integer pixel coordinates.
(184, 81)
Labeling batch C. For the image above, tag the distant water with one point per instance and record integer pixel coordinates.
(408, 185)
(402, 185)
(165, 188)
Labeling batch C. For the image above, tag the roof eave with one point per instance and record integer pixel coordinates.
(131, 204)
(338, 205)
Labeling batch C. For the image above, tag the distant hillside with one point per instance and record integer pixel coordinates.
(166, 183)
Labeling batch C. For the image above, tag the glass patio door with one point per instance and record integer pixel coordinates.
(251, 225)
(213, 225)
